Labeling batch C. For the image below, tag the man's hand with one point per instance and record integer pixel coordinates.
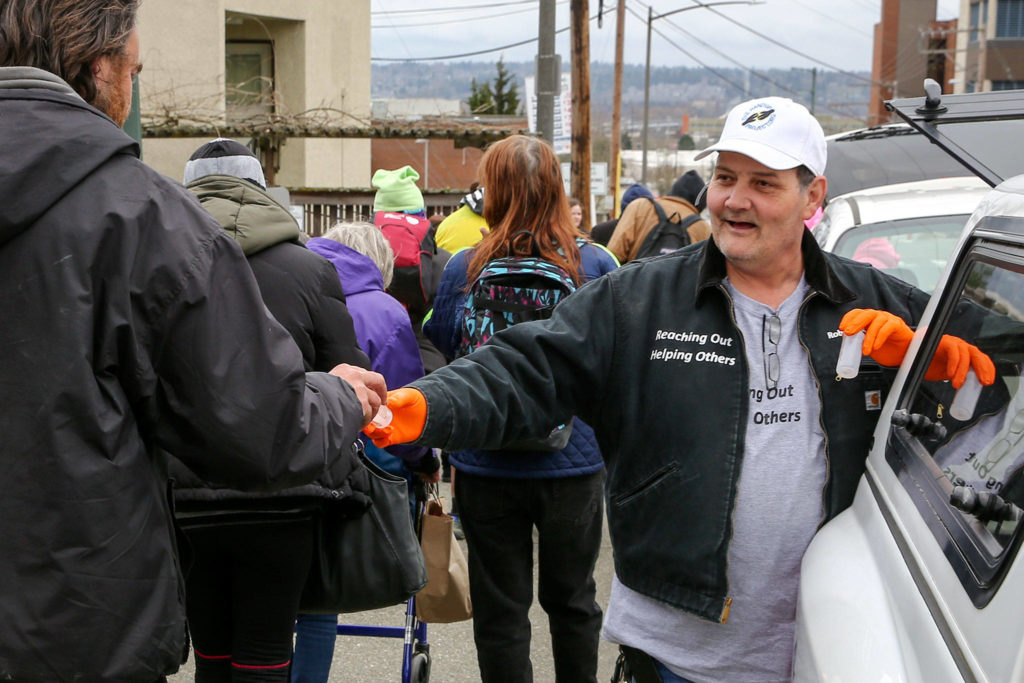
(409, 414)
(370, 388)
(954, 357)
(886, 337)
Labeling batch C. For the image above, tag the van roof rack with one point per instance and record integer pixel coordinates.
(941, 118)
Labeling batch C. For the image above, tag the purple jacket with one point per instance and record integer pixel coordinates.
(382, 323)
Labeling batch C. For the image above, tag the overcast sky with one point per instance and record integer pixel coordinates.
(832, 33)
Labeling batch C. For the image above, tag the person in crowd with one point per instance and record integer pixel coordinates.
(397, 192)
(436, 219)
(709, 376)
(878, 251)
(133, 328)
(413, 285)
(602, 232)
(241, 623)
(466, 225)
(576, 214)
(503, 496)
(365, 263)
(639, 217)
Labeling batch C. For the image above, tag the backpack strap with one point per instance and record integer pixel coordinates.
(689, 220)
(657, 208)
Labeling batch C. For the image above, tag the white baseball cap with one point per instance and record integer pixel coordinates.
(774, 131)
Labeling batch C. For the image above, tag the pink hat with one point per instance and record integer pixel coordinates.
(877, 251)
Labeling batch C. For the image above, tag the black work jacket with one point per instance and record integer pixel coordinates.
(303, 293)
(651, 356)
(132, 325)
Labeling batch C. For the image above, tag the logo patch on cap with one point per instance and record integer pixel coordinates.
(760, 116)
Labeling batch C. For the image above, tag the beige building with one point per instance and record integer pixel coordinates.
(993, 55)
(215, 61)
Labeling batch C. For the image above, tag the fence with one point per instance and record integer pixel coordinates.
(321, 209)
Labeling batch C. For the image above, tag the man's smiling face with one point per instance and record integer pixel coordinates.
(758, 213)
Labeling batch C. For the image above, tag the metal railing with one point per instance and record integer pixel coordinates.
(321, 209)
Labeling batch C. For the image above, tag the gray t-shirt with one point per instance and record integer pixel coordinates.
(778, 509)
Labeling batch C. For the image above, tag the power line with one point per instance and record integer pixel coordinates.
(684, 51)
(788, 48)
(833, 19)
(738, 64)
(402, 41)
(461, 20)
(723, 55)
(867, 4)
(454, 8)
(468, 54)
(460, 56)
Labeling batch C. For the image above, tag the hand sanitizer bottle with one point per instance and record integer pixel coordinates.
(966, 398)
(849, 355)
(383, 417)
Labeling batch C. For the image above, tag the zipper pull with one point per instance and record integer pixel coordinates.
(939, 411)
(725, 611)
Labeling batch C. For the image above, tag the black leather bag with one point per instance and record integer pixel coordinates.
(369, 561)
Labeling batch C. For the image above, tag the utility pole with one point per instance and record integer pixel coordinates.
(647, 95)
(548, 79)
(814, 87)
(613, 163)
(651, 18)
(579, 183)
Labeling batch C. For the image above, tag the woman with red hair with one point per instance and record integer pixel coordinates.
(504, 495)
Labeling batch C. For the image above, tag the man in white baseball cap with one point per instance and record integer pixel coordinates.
(727, 437)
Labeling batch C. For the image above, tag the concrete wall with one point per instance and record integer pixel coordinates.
(321, 62)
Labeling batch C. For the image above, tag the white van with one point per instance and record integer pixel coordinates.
(907, 585)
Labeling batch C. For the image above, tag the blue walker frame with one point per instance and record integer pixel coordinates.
(414, 632)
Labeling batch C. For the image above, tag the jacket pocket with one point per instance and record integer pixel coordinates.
(649, 483)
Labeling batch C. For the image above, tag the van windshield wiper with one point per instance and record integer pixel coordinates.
(877, 133)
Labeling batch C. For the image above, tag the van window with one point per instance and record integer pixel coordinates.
(915, 249)
(984, 449)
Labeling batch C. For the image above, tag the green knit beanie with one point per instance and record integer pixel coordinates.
(397, 191)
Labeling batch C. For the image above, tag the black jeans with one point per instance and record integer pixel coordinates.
(498, 516)
(242, 594)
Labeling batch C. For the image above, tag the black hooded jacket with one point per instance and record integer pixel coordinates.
(302, 291)
(132, 325)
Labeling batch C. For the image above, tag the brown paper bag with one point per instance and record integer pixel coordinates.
(445, 598)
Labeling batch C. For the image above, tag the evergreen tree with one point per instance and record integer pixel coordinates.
(506, 91)
(502, 98)
(686, 142)
(481, 99)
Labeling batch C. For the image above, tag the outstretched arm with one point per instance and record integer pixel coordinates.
(525, 381)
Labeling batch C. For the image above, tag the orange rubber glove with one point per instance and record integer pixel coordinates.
(954, 357)
(886, 337)
(409, 413)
